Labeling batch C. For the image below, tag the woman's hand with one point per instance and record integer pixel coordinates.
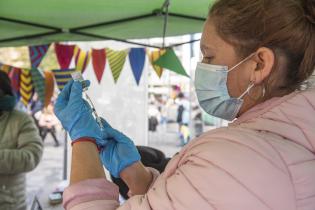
(76, 115)
(119, 152)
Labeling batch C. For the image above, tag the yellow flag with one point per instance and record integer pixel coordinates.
(116, 61)
(26, 86)
(155, 55)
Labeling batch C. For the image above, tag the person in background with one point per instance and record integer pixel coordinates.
(258, 56)
(21, 149)
(183, 118)
(47, 123)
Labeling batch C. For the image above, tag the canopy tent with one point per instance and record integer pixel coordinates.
(39, 22)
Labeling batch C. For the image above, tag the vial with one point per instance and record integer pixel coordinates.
(77, 76)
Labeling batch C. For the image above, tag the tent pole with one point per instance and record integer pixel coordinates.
(111, 38)
(165, 6)
(113, 22)
(30, 36)
(182, 43)
(29, 23)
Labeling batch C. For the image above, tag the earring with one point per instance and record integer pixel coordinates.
(263, 92)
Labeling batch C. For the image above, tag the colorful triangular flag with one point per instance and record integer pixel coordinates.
(49, 87)
(15, 76)
(62, 76)
(64, 54)
(99, 62)
(170, 61)
(153, 56)
(26, 86)
(37, 54)
(82, 59)
(39, 84)
(137, 59)
(116, 61)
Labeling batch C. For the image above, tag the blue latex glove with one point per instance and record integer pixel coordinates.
(119, 152)
(75, 114)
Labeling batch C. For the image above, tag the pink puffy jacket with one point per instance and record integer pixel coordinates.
(264, 160)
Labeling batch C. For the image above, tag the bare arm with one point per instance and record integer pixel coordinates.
(137, 177)
(86, 164)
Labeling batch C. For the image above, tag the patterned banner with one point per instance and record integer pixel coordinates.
(64, 54)
(26, 86)
(82, 59)
(49, 87)
(15, 76)
(39, 84)
(37, 54)
(155, 55)
(116, 61)
(99, 62)
(62, 76)
(137, 59)
(170, 61)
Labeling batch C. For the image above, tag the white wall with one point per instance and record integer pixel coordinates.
(124, 104)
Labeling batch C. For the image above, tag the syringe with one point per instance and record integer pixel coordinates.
(77, 76)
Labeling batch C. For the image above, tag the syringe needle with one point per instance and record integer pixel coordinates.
(98, 119)
(77, 76)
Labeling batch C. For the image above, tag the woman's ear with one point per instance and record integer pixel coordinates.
(264, 59)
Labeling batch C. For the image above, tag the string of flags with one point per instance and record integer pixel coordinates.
(25, 82)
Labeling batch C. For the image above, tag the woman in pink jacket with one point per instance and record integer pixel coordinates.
(258, 56)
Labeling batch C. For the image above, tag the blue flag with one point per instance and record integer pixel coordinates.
(136, 59)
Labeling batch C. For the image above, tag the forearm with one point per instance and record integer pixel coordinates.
(137, 177)
(86, 163)
(13, 161)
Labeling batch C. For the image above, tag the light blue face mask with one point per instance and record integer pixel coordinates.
(212, 92)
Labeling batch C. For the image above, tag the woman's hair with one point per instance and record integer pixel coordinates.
(5, 84)
(285, 26)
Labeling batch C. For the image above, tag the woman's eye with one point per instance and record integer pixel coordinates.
(207, 59)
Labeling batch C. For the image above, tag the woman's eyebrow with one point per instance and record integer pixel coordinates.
(205, 48)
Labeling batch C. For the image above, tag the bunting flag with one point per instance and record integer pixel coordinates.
(64, 54)
(37, 54)
(15, 75)
(26, 86)
(155, 55)
(170, 61)
(137, 59)
(62, 76)
(39, 84)
(49, 87)
(99, 62)
(116, 61)
(82, 59)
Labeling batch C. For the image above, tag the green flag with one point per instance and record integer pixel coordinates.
(39, 84)
(170, 61)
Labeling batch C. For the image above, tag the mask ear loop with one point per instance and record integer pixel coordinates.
(241, 62)
(250, 86)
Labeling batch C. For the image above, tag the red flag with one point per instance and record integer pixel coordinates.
(64, 54)
(99, 62)
(14, 75)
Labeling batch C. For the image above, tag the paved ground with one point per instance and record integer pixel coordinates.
(48, 175)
